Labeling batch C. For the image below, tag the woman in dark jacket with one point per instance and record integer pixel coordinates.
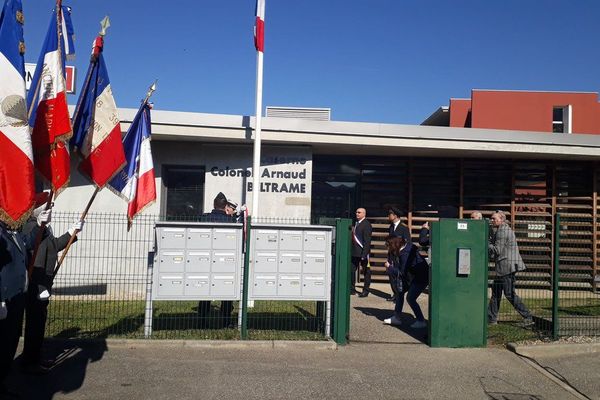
(411, 274)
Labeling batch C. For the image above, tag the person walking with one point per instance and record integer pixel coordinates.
(411, 277)
(361, 247)
(503, 249)
(396, 229)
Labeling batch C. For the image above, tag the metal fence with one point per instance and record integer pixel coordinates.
(101, 288)
(558, 256)
(100, 291)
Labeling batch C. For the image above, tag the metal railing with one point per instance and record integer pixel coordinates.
(551, 285)
(100, 291)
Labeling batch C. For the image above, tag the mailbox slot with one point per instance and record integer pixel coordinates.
(170, 285)
(290, 263)
(197, 285)
(172, 238)
(198, 261)
(171, 261)
(199, 238)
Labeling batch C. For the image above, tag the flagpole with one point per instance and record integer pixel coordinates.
(74, 235)
(39, 82)
(257, 134)
(87, 208)
(38, 237)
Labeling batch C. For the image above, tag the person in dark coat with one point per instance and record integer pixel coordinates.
(396, 229)
(14, 248)
(411, 277)
(361, 247)
(218, 214)
(38, 292)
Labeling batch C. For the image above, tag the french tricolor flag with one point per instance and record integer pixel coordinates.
(47, 101)
(96, 125)
(17, 191)
(135, 183)
(259, 26)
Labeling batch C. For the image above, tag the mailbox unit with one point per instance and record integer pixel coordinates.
(290, 262)
(197, 261)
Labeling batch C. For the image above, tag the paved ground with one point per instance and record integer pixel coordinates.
(382, 362)
(158, 370)
(367, 315)
(577, 364)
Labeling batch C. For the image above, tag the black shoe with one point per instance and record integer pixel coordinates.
(364, 294)
(35, 369)
(527, 322)
(393, 298)
(47, 363)
(6, 393)
(353, 293)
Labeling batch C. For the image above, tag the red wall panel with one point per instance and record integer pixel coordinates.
(532, 111)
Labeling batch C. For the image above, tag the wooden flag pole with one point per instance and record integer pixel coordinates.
(87, 208)
(74, 235)
(38, 238)
(104, 24)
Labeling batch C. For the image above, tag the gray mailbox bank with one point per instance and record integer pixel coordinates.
(290, 262)
(205, 260)
(195, 261)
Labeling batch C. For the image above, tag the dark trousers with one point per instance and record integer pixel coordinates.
(414, 291)
(391, 277)
(505, 284)
(357, 262)
(225, 314)
(36, 313)
(10, 331)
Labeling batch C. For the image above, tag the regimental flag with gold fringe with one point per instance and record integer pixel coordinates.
(16, 156)
(47, 102)
(135, 183)
(96, 126)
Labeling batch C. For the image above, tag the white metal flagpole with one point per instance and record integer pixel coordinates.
(257, 122)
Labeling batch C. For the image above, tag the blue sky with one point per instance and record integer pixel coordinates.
(390, 61)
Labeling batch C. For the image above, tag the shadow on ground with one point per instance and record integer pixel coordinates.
(407, 320)
(67, 375)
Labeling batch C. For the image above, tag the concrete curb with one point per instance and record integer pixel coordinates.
(553, 349)
(229, 344)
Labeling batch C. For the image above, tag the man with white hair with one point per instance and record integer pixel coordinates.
(476, 215)
(503, 249)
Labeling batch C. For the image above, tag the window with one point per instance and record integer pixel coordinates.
(561, 119)
(184, 186)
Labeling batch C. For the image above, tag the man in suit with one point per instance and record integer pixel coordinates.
(361, 247)
(14, 248)
(504, 251)
(396, 229)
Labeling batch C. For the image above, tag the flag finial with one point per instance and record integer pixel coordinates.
(151, 89)
(105, 23)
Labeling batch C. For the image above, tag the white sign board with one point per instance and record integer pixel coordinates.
(69, 72)
(285, 179)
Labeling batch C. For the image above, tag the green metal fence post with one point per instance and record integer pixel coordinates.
(244, 307)
(341, 299)
(556, 277)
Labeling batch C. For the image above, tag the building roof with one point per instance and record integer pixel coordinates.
(350, 138)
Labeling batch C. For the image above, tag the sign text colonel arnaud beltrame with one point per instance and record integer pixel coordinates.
(274, 178)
